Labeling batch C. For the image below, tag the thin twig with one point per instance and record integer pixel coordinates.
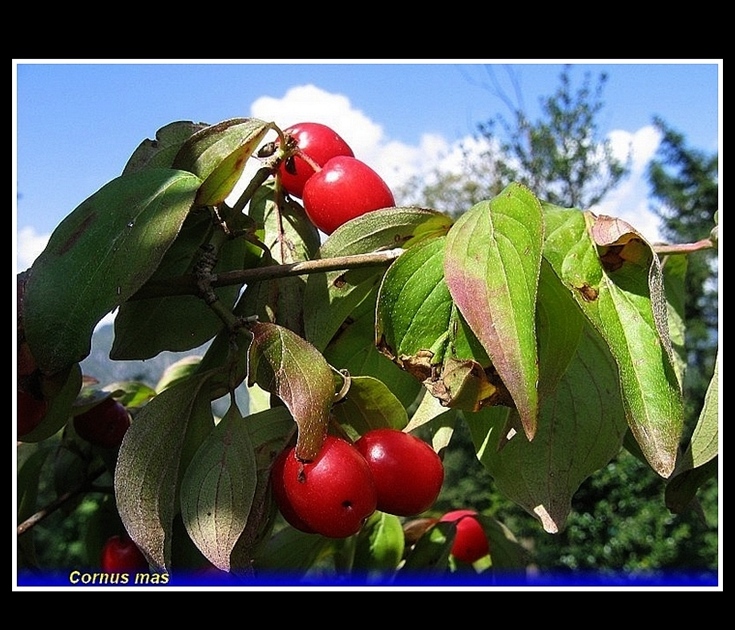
(683, 248)
(45, 512)
(184, 285)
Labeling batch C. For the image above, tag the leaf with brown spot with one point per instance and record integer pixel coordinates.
(98, 257)
(631, 314)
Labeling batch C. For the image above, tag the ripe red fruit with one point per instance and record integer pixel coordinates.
(345, 188)
(104, 424)
(470, 542)
(121, 555)
(31, 411)
(331, 495)
(407, 471)
(320, 143)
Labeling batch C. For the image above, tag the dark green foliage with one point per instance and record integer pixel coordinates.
(684, 185)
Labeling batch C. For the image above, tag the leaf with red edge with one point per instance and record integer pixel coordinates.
(289, 367)
(492, 266)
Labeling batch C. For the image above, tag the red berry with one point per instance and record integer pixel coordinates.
(320, 143)
(278, 486)
(31, 411)
(121, 555)
(104, 424)
(331, 495)
(345, 188)
(407, 471)
(470, 541)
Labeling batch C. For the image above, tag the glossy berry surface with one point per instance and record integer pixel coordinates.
(331, 495)
(344, 189)
(470, 542)
(31, 411)
(407, 471)
(104, 424)
(320, 143)
(121, 555)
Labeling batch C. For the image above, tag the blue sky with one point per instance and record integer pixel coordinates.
(77, 122)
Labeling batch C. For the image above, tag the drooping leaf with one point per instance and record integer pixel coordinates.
(289, 367)
(331, 297)
(153, 456)
(270, 430)
(218, 488)
(492, 266)
(98, 257)
(581, 428)
(161, 151)
(674, 267)
(618, 286)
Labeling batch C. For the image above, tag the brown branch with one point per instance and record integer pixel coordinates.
(185, 285)
(45, 512)
(683, 248)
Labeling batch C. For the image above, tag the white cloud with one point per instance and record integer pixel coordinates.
(629, 200)
(29, 245)
(394, 161)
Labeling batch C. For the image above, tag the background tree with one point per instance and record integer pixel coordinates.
(684, 191)
(561, 156)
(620, 521)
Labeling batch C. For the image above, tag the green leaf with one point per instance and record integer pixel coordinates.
(505, 551)
(492, 268)
(177, 323)
(581, 428)
(674, 267)
(369, 404)
(160, 152)
(290, 237)
(98, 257)
(681, 490)
(615, 278)
(205, 150)
(153, 456)
(430, 555)
(331, 297)
(27, 485)
(379, 546)
(353, 349)
(419, 328)
(289, 367)
(291, 552)
(218, 488)
(704, 444)
(222, 180)
(63, 388)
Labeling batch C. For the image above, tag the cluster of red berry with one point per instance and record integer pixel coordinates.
(334, 185)
(332, 495)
